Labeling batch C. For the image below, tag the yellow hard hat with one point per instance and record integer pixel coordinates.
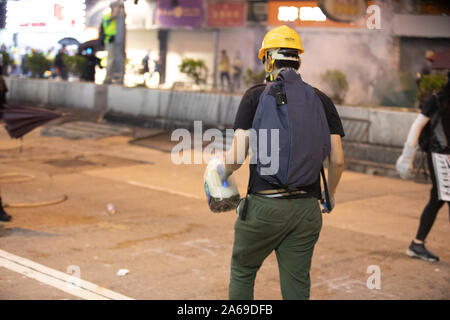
(281, 37)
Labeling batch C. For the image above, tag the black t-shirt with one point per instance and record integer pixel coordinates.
(244, 120)
(430, 107)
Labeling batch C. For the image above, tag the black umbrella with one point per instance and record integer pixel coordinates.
(95, 45)
(21, 120)
(68, 41)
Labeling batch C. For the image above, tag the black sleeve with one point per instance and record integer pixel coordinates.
(334, 121)
(3, 84)
(247, 108)
(101, 36)
(430, 106)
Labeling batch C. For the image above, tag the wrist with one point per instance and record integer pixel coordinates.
(228, 169)
(408, 151)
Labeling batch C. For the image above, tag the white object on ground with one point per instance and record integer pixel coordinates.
(57, 279)
(122, 272)
(111, 208)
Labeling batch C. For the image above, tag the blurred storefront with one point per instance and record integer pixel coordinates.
(196, 29)
(41, 24)
(373, 43)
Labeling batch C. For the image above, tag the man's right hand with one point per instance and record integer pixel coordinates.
(222, 172)
(325, 205)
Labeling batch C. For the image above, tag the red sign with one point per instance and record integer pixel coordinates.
(226, 14)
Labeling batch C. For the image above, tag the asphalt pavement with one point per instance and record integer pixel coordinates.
(130, 208)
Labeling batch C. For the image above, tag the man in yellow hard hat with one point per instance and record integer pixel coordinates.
(274, 217)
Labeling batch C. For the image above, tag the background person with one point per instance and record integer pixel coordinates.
(3, 89)
(236, 71)
(59, 65)
(146, 63)
(436, 109)
(1, 63)
(425, 70)
(91, 63)
(224, 70)
(107, 36)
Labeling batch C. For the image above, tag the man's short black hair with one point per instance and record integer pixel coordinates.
(287, 64)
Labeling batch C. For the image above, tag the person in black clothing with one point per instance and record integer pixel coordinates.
(60, 67)
(3, 89)
(424, 71)
(24, 64)
(436, 109)
(91, 62)
(145, 63)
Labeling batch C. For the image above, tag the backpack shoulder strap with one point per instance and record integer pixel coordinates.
(328, 208)
(257, 86)
(277, 90)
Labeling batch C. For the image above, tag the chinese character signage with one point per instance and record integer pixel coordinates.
(307, 14)
(181, 13)
(226, 14)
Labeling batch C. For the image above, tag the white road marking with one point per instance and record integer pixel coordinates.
(348, 285)
(168, 254)
(57, 279)
(205, 245)
(328, 282)
(178, 193)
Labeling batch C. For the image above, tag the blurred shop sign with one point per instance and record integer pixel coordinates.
(180, 13)
(139, 15)
(305, 14)
(257, 10)
(344, 10)
(46, 15)
(226, 13)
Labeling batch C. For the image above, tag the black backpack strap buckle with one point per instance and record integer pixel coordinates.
(277, 91)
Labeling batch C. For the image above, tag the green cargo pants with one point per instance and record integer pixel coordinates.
(291, 227)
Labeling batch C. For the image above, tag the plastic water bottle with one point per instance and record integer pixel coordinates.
(111, 208)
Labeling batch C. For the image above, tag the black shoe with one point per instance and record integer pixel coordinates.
(4, 216)
(417, 250)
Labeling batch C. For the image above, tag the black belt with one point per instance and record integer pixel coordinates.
(285, 194)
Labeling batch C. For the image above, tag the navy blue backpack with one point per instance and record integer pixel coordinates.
(293, 108)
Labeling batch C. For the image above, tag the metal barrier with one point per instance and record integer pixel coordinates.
(356, 133)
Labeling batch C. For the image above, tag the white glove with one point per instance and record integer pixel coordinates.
(405, 161)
